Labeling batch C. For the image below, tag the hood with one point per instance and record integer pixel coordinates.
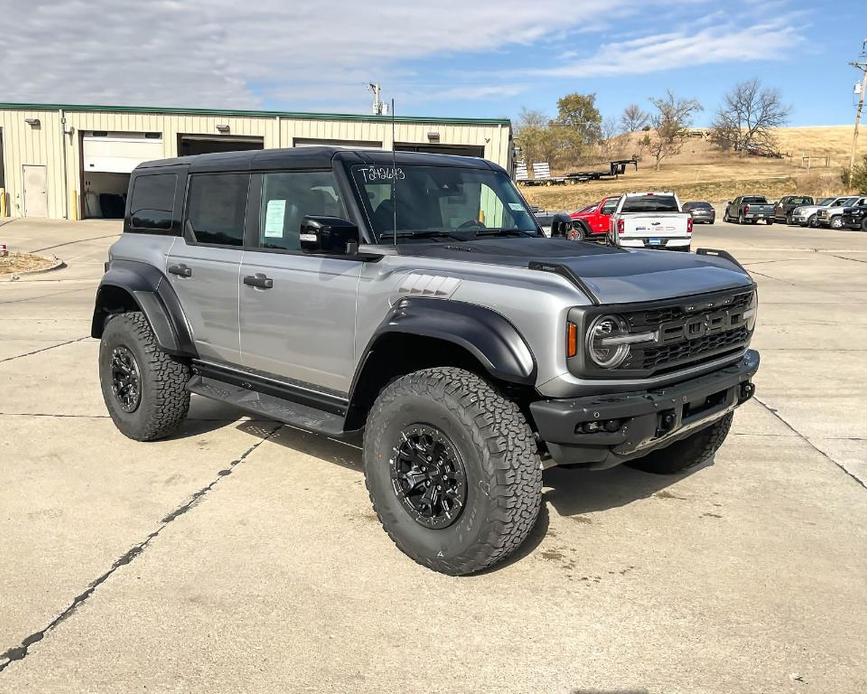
(608, 275)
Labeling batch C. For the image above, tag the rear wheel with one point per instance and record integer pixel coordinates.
(452, 470)
(769, 222)
(144, 388)
(686, 453)
(576, 232)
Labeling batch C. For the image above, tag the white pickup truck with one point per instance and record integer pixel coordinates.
(650, 220)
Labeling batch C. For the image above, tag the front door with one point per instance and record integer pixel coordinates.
(297, 309)
(203, 265)
(35, 191)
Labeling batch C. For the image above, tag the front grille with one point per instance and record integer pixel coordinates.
(687, 351)
(689, 333)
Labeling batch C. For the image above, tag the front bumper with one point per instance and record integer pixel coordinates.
(643, 420)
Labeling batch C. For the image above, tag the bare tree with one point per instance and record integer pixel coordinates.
(672, 117)
(633, 118)
(747, 118)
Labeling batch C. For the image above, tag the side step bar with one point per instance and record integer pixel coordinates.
(279, 409)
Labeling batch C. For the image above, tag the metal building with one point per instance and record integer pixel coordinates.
(73, 162)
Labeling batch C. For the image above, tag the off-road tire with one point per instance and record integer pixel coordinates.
(577, 233)
(686, 453)
(164, 399)
(499, 455)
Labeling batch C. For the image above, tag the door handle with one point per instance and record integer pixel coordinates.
(259, 281)
(181, 270)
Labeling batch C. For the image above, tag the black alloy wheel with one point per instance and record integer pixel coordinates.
(126, 379)
(428, 476)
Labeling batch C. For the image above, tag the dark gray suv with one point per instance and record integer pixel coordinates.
(414, 296)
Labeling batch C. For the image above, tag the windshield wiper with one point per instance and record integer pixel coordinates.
(431, 234)
(504, 232)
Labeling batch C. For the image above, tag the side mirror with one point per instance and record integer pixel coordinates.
(328, 235)
(729, 202)
(561, 224)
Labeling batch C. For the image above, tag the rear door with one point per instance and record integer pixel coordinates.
(204, 264)
(300, 325)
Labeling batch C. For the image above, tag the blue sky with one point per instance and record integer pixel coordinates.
(484, 58)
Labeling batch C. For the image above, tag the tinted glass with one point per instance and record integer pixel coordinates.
(216, 204)
(609, 206)
(754, 200)
(153, 198)
(651, 203)
(287, 198)
(698, 206)
(800, 201)
(434, 200)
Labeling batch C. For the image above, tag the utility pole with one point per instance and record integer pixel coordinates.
(859, 65)
(379, 108)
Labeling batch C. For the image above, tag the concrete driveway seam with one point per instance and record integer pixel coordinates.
(808, 441)
(45, 349)
(21, 651)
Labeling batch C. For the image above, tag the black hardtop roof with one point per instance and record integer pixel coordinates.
(317, 157)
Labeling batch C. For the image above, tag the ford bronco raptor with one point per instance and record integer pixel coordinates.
(413, 296)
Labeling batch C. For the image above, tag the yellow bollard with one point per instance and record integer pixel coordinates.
(3, 203)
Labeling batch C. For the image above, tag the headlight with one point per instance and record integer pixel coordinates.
(607, 341)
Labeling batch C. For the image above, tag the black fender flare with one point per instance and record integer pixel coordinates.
(484, 333)
(152, 294)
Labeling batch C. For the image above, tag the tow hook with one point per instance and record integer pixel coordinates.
(746, 392)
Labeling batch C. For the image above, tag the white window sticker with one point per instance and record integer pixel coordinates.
(516, 207)
(274, 214)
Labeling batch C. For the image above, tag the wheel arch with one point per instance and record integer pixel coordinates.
(422, 332)
(134, 286)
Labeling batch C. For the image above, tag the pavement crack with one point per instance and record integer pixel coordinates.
(70, 243)
(808, 441)
(45, 349)
(19, 652)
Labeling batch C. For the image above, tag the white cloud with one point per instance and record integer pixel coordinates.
(722, 43)
(307, 55)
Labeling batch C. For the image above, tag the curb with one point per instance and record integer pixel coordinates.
(58, 264)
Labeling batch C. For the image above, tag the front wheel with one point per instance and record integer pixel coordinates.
(686, 453)
(452, 470)
(812, 221)
(837, 222)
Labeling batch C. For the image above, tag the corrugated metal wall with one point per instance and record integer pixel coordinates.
(25, 144)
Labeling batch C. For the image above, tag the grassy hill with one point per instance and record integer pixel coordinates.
(701, 172)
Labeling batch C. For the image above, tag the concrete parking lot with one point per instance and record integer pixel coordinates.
(243, 556)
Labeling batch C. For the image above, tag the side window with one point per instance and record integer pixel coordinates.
(216, 204)
(289, 196)
(152, 201)
(609, 206)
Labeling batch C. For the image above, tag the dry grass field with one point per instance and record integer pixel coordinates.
(701, 172)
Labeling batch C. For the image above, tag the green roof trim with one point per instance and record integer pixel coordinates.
(297, 115)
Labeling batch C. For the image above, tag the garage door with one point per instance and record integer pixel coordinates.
(114, 152)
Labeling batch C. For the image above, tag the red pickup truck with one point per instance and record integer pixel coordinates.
(593, 221)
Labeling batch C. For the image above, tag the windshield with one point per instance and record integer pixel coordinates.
(449, 201)
(651, 203)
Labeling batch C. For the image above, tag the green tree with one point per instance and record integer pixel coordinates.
(580, 118)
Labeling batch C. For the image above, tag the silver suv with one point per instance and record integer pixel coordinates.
(415, 297)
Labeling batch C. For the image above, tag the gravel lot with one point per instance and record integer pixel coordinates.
(242, 556)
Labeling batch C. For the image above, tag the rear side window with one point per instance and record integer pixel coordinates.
(153, 198)
(609, 206)
(288, 197)
(651, 203)
(216, 205)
